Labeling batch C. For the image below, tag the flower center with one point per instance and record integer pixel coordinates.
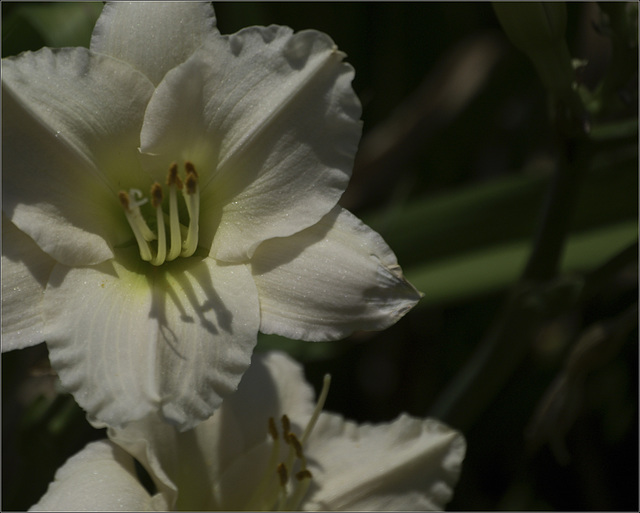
(285, 482)
(182, 240)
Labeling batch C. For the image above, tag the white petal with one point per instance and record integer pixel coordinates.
(271, 122)
(177, 339)
(406, 464)
(329, 280)
(409, 464)
(25, 272)
(71, 123)
(152, 36)
(219, 464)
(101, 477)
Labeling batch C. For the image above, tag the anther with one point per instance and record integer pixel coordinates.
(287, 496)
(183, 240)
(283, 475)
(191, 180)
(156, 195)
(124, 200)
(173, 178)
(286, 427)
(297, 446)
(304, 474)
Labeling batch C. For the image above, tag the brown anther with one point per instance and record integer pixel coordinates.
(189, 168)
(286, 427)
(156, 195)
(303, 474)
(273, 431)
(295, 443)
(191, 181)
(124, 200)
(173, 178)
(282, 474)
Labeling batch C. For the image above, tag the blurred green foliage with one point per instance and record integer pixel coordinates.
(513, 208)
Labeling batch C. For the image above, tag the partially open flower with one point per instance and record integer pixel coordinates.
(268, 447)
(169, 192)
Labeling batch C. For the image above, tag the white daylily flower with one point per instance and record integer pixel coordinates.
(238, 459)
(152, 300)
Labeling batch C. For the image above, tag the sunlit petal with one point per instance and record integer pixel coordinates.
(329, 280)
(25, 272)
(408, 464)
(152, 38)
(101, 477)
(177, 340)
(281, 123)
(228, 446)
(71, 121)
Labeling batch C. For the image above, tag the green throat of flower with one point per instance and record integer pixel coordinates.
(181, 240)
(285, 482)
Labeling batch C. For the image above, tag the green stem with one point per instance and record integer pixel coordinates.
(509, 340)
(556, 218)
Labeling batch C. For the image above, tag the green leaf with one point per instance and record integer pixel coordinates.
(497, 267)
(56, 24)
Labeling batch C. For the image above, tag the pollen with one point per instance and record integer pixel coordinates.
(283, 475)
(173, 178)
(124, 200)
(156, 195)
(304, 474)
(182, 240)
(286, 427)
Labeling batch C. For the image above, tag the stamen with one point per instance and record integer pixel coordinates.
(173, 181)
(304, 481)
(257, 497)
(297, 447)
(138, 225)
(156, 202)
(274, 491)
(173, 178)
(183, 240)
(282, 474)
(304, 474)
(192, 198)
(286, 427)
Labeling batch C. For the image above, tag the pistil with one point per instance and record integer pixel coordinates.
(138, 225)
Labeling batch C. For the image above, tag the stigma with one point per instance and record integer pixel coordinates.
(162, 245)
